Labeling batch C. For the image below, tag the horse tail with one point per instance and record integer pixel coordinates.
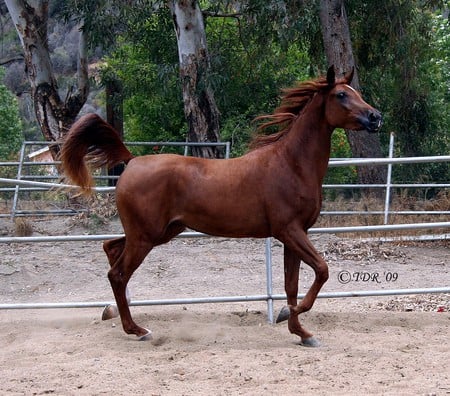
(90, 144)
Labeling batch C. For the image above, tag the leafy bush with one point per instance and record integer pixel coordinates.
(10, 124)
(340, 148)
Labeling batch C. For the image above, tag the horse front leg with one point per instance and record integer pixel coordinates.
(291, 280)
(295, 250)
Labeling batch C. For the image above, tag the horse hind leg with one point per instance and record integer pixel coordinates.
(125, 255)
(113, 249)
(130, 257)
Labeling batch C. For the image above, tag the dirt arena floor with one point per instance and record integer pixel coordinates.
(370, 346)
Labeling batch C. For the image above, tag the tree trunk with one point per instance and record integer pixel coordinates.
(114, 116)
(53, 115)
(338, 49)
(200, 107)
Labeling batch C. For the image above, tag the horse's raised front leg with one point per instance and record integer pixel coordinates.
(120, 273)
(295, 250)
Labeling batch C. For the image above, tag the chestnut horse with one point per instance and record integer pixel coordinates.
(272, 191)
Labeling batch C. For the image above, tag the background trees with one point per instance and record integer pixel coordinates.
(10, 124)
(200, 109)
(400, 49)
(339, 52)
(53, 114)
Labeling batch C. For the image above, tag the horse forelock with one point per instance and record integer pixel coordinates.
(293, 102)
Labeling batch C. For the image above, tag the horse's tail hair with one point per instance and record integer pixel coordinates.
(90, 144)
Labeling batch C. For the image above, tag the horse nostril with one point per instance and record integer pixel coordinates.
(373, 116)
(372, 120)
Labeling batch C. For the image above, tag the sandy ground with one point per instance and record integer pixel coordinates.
(371, 346)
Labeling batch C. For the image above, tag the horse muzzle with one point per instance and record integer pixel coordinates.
(372, 121)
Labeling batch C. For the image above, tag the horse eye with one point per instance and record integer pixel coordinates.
(341, 95)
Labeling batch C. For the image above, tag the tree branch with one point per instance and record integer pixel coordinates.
(6, 61)
(216, 14)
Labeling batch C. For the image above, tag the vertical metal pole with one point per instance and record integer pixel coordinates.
(268, 251)
(19, 175)
(388, 179)
(227, 150)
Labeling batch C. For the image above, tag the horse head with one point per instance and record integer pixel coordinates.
(345, 107)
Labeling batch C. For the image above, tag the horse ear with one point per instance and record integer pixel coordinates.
(349, 76)
(331, 76)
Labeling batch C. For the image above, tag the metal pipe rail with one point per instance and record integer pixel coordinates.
(227, 299)
(334, 162)
(268, 297)
(387, 161)
(21, 182)
(193, 234)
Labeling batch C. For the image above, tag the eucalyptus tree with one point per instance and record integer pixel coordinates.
(200, 107)
(339, 52)
(54, 114)
(119, 16)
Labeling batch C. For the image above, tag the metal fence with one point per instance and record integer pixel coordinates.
(51, 167)
(268, 296)
(24, 183)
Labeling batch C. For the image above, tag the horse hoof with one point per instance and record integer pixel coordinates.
(283, 315)
(110, 312)
(146, 337)
(310, 342)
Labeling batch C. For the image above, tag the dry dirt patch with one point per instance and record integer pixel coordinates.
(370, 345)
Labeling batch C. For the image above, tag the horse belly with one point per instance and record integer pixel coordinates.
(227, 225)
(226, 213)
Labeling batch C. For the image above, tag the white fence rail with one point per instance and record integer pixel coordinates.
(269, 297)
(23, 163)
(22, 183)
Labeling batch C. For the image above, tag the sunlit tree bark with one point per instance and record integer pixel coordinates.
(338, 49)
(53, 114)
(200, 107)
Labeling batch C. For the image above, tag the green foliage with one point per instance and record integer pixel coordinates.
(403, 54)
(152, 107)
(340, 148)
(245, 75)
(10, 124)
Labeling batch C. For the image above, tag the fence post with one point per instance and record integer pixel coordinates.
(388, 179)
(269, 290)
(19, 176)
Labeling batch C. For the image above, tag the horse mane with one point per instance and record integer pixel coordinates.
(293, 101)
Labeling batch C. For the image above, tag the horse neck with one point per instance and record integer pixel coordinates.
(308, 143)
